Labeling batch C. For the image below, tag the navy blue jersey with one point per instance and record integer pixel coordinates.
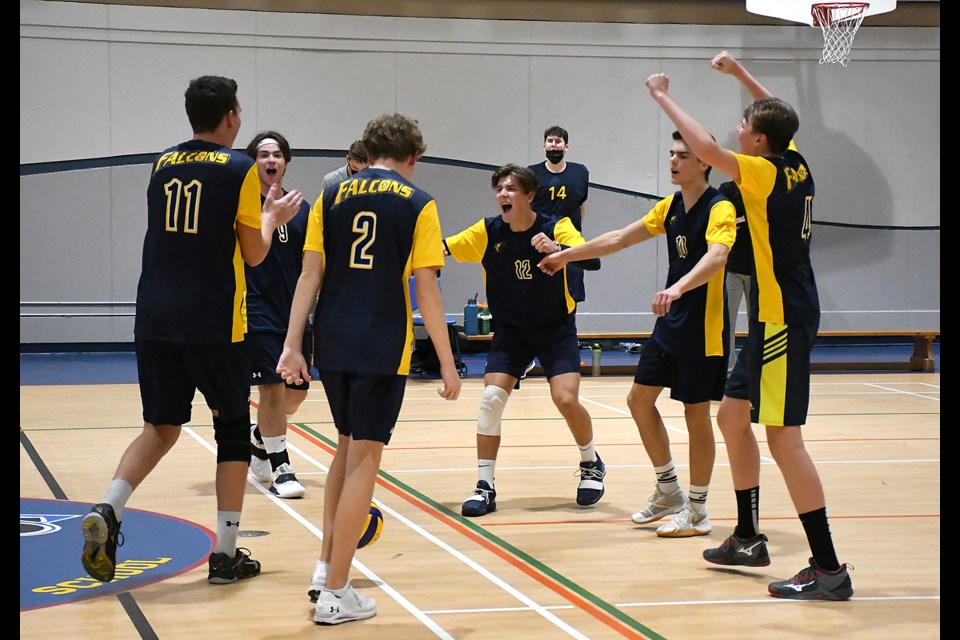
(561, 194)
(778, 198)
(271, 284)
(192, 285)
(373, 230)
(740, 258)
(696, 322)
(518, 292)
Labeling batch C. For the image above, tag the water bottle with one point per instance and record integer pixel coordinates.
(470, 317)
(595, 359)
(484, 318)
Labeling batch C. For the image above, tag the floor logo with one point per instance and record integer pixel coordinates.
(156, 547)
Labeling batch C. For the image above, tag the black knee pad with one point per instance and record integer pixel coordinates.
(233, 439)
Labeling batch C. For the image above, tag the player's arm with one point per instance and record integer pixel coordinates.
(430, 303)
(292, 366)
(255, 242)
(699, 140)
(712, 261)
(603, 245)
(726, 63)
(469, 245)
(583, 213)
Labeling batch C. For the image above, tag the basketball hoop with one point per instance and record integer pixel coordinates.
(839, 22)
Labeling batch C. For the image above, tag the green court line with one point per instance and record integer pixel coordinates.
(506, 546)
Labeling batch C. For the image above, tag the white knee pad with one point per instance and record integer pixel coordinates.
(492, 404)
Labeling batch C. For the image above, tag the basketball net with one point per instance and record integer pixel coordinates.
(839, 22)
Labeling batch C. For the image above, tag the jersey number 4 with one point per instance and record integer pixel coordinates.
(365, 226)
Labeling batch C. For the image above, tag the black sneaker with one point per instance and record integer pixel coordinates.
(101, 535)
(591, 482)
(224, 569)
(482, 502)
(751, 552)
(814, 583)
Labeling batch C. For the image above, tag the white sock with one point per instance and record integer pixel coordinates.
(588, 452)
(228, 527)
(485, 469)
(698, 497)
(118, 493)
(667, 478)
(275, 444)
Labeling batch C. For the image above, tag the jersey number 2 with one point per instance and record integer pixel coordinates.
(365, 225)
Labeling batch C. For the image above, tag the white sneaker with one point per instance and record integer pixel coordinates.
(688, 523)
(318, 581)
(285, 483)
(660, 505)
(343, 605)
(259, 460)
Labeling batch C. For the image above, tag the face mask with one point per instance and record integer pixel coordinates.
(555, 156)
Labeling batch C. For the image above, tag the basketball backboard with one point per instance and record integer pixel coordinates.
(801, 10)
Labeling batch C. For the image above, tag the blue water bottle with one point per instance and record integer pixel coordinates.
(471, 325)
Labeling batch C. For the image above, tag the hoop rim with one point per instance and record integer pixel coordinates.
(820, 10)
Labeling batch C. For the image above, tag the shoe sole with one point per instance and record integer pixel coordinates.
(660, 516)
(761, 563)
(340, 618)
(831, 596)
(684, 533)
(230, 580)
(490, 509)
(594, 502)
(287, 493)
(94, 557)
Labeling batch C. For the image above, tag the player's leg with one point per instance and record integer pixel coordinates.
(559, 351)
(653, 374)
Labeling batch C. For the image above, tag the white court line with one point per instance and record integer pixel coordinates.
(372, 575)
(907, 393)
(293, 513)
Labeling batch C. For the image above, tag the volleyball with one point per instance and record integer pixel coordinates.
(373, 527)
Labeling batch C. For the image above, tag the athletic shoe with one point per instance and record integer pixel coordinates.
(259, 460)
(225, 570)
(318, 581)
(814, 583)
(482, 502)
(343, 605)
(688, 523)
(751, 552)
(101, 535)
(285, 483)
(528, 369)
(660, 505)
(591, 482)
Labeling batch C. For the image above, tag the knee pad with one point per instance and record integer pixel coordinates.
(492, 404)
(233, 439)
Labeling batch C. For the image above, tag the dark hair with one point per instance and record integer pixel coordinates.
(556, 130)
(254, 145)
(526, 179)
(775, 119)
(393, 136)
(678, 136)
(207, 100)
(357, 152)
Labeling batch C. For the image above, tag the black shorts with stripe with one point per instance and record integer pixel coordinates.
(773, 372)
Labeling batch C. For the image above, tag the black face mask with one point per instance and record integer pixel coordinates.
(555, 156)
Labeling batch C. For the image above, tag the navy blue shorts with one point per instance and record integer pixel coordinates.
(773, 372)
(365, 406)
(170, 375)
(264, 349)
(691, 379)
(556, 346)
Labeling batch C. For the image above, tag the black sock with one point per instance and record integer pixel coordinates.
(748, 513)
(818, 536)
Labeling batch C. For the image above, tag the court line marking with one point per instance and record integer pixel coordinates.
(549, 578)
(369, 573)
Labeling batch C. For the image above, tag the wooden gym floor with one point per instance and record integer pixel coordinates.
(540, 567)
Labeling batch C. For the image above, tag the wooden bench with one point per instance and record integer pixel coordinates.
(920, 360)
